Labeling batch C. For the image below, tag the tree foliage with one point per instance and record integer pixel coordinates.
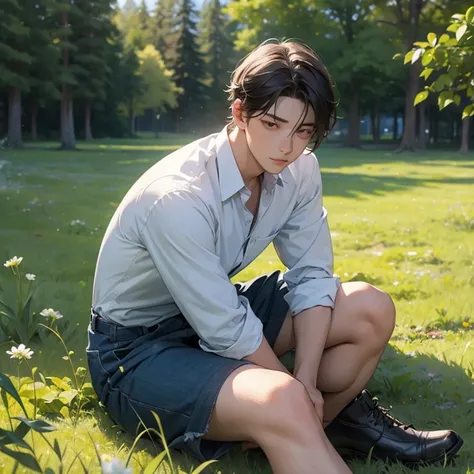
(448, 64)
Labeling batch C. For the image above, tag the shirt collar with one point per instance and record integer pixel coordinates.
(230, 179)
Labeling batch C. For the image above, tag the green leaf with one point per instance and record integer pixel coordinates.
(203, 466)
(443, 82)
(470, 15)
(68, 396)
(39, 426)
(65, 412)
(421, 44)
(453, 28)
(25, 459)
(426, 73)
(397, 56)
(457, 16)
(421, 96)
(9, 437)
(457, 99)
(416, 55)
(22, 430)
(26, 309)
(468, 111)
(408, 56)
(50, 397)
(155, 463)
(6, 384)
(57, 449)
(460, 32)
(427, 58)
(444, 38)
(432, 39)
(445, 99)
(60, 383)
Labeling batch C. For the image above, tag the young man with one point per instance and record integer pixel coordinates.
(171, 334)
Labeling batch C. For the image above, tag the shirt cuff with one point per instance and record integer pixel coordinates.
(311, 293)
(248, 341)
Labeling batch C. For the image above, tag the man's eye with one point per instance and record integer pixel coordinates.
(269, 124)
(307, 132)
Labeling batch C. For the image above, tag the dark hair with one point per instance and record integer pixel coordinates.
(287, 69)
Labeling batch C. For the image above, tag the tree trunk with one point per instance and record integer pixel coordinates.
(72, 137)
(375, 122)
(395, 127)
(14, 118)
(409, 126)
(68, 140)
(422, 126)
(87, 125)
(34, 117)
(353, 139)
(465, 136)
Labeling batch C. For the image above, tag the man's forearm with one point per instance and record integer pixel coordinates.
(264, 356)
(311, 330)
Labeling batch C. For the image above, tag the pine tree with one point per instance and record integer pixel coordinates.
(163, 36)
(15, 60)
(92, 31)
(67, 14)
(216, 44)
(144, 18)
(188, 68)
(45, 64)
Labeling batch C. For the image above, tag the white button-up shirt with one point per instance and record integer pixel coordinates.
(183, 230)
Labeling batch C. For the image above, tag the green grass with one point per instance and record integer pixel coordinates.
(402, 222)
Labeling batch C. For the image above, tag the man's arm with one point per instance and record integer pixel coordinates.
(179, 234)
(311, 330)
(265, 357)
(305, 248)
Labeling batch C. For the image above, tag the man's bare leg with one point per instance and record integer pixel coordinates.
(273, 410)
(362, 323)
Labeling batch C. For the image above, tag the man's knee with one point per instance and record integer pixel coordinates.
(288, 408)
(379, 311)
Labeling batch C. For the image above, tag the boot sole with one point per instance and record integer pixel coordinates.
(351, 453)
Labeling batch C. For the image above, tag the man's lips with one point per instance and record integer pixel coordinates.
(276, 160)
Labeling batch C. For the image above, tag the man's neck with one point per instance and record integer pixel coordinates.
(248, 166)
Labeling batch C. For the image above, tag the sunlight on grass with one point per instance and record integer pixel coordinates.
(402, 222)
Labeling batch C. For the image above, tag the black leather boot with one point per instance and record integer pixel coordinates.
(364, 426)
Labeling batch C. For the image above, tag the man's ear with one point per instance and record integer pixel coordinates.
(238, 114)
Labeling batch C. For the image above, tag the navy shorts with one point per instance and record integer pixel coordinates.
(136, 371)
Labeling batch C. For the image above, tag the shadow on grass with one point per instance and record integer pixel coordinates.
(431, 393)
(358, 185)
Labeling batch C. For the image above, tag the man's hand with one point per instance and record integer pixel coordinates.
(315, 396)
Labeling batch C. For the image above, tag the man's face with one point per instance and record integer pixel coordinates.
(279, 137)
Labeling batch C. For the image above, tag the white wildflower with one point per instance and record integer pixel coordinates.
(13, 262)
(30, 276)
(396, 283)
(116, 466)
(411, 254)
(21, 352)
(51, 313)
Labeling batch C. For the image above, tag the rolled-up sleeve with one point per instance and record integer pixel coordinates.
(179, 235)
(304, 246)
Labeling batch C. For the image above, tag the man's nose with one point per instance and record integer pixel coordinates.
(286, 145)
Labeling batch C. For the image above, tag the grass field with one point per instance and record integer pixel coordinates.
(402, 222)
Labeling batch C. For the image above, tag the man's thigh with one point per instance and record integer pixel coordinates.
(353, 302)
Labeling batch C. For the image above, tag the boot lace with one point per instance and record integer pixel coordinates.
(382, 415)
